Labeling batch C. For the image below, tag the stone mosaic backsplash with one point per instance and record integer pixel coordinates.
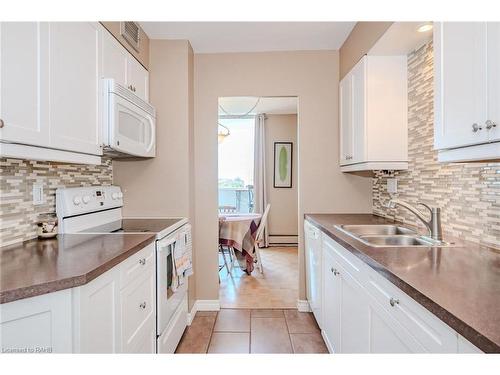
(468, 194)
(17, 212)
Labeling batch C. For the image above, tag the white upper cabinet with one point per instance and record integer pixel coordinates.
(50, 87)
(114, 59)
(119, 64)
(467, 85)
(23, 82)
(74, 86)
(493, 66)
(373, 115)
(345, 119)
(138, 78)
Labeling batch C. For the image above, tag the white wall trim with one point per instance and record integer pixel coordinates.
(303, 305)
(202, 305)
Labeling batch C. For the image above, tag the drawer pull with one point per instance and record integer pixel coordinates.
(142, 261)
(335, 272)
(394, 302)
(143, 305)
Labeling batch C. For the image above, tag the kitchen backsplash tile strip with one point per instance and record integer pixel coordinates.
(17, 212)
(469, 193)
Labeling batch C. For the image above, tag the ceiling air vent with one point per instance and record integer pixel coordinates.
(130, 31)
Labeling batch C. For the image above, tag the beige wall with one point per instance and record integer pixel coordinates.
(283, 218)
(313, 77)
(163, 186)
(362, 37)
(143, 54)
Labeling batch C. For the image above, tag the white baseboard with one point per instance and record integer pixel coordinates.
(202, 305)
(303, 305)
(191, 314)
(327, 342)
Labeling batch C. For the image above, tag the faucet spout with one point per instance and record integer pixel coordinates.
(433, 225)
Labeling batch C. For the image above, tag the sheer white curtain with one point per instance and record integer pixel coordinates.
(259, 179)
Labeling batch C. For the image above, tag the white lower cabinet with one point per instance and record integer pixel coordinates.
(362, 312)
(345, 309)
(106, 315)
(138, 314)
(38, 324)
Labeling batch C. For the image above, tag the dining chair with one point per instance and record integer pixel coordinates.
(259, 236)
(222, 251)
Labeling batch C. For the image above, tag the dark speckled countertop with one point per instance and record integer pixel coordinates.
(38, 267)
(459, 284)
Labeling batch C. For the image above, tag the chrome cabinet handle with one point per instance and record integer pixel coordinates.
(1, 123)
(476, 127)
(490, 124)
(143, 305)
(335, 272)
(142, 261)
(394, 302)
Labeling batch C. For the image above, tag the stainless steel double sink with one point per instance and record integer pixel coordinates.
(388, 235)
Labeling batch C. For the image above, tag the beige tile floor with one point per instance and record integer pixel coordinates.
(277, 287)
(252, 331)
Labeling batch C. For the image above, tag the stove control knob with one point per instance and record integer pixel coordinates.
(115, 196)
(77, 200)
(86, 199)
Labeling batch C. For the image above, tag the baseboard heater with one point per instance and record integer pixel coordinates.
(283, 240)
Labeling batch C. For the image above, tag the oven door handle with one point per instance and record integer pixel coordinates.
(164, 245)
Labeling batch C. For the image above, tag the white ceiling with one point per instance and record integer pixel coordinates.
(400, 39)
(238, 105)
(216, 37)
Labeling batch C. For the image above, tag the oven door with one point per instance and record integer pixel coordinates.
(131, 129)
(167, 301)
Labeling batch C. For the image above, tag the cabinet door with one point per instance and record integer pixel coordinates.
(114, 59)
(387, 336)
(493, 64)
(74, 86)
(358, 108)
(460, 84)
(354, 315)
(331, 303)
(345, 95)
(99, 325)
(40, 324)
(138, 314)
(23, 82)
(138, 78)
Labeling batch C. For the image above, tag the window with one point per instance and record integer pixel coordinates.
(236, 164)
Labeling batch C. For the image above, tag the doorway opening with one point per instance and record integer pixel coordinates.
(258, 202)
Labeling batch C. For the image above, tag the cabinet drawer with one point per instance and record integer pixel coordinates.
(140, 263)
(347, 260)
(137, 312)
(433, 334)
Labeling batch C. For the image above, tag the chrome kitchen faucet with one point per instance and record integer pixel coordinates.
(433, 225)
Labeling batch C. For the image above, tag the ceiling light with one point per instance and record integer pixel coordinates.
(425, 27)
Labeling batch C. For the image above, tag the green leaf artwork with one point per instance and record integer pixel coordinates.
(283, 163)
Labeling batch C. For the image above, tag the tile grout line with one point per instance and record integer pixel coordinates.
(212, 332)
(288, 331)
(250, 335)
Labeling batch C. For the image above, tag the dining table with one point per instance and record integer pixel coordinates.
(238, 231)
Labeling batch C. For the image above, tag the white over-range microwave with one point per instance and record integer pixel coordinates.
(129, 123)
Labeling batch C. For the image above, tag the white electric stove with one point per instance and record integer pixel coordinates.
(98, 209)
